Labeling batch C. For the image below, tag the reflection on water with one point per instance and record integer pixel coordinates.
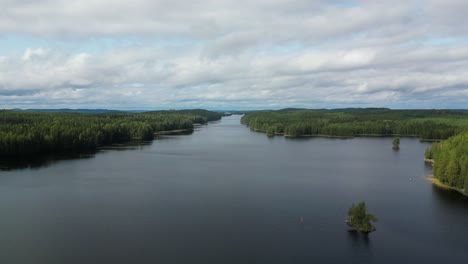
(39, 162)
(132, 145)
(450, 198)
(48, 160)
(359, 238)
(361, 247)
(175, 133)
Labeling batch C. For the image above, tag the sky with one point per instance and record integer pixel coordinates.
(233, 54)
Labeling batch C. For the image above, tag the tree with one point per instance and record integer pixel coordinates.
(359, 219)
(271, 131)
(428, 153)
(396, 143)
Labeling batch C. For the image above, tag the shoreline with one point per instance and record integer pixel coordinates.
(343, 137)
(438, 183)
(431, 140)
(431, 161)
(319, 135)
(171, 132)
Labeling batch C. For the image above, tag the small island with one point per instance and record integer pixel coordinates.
(359, 220)
(396, 143)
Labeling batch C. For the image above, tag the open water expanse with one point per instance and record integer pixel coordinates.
(225, 194)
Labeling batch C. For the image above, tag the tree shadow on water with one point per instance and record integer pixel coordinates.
(7, 164)
(358, 237)
(450, 198)
(360, 246)
(43, 161)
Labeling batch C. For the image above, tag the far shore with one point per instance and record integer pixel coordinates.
(175, 131)
(178, 131)
(343, 137)
(318, 135)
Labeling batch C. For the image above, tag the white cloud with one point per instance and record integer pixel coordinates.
(251, 54)
(31, 53)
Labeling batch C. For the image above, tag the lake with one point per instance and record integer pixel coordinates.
(225, 194)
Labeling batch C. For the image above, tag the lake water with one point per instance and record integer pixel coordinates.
(226, 194)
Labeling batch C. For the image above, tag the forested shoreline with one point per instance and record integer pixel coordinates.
(36, 133)
(425, 124)
(450, 162)
(449, 157)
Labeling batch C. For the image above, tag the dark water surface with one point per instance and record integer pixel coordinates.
(228, 195)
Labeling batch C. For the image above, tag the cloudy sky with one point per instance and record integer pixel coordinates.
(233, 54)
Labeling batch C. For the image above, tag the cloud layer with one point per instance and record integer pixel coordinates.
(234, 54)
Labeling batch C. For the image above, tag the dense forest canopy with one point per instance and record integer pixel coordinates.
(426, 124)
(32, 133)
(451, 161)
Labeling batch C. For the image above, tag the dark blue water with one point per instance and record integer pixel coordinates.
(228, 195)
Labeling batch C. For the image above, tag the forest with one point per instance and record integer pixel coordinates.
(450, 161)
(33, 133)
(425, 124)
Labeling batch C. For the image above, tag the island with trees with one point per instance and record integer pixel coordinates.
(430, 125)
(26, 133)
(396, 143)
(359, 220)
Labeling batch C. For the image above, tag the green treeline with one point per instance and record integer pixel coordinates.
(425, 124)
(450, 158)
(34, 133)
